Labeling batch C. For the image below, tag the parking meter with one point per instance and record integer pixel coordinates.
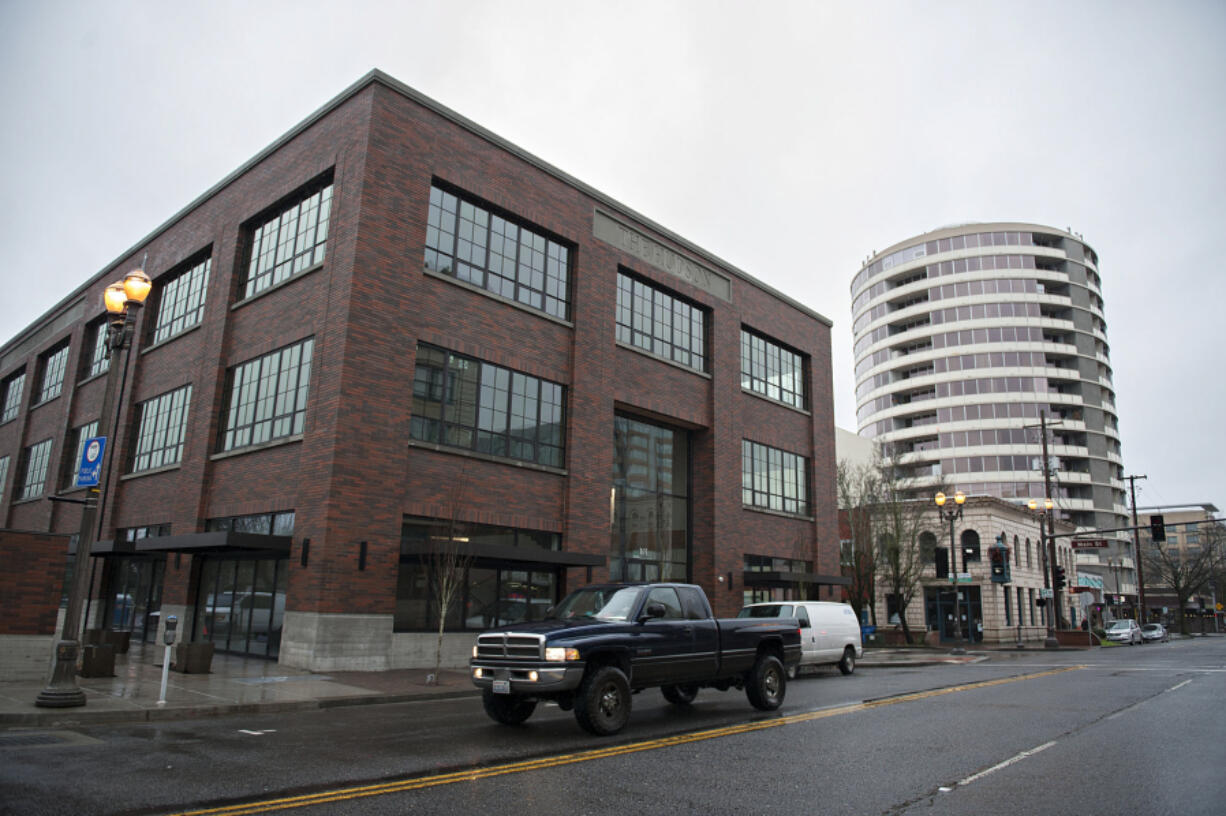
(172, 623)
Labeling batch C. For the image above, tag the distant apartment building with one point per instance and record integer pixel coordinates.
(967, 340)
(1189, 530)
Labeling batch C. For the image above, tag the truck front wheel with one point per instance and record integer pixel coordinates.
(767, 683)
(602, 706)
(507, 708)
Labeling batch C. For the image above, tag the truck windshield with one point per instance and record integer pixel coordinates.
(605, 603)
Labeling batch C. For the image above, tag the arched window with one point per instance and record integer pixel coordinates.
(1017, 553)
(928, 547)
(1029, 556)
(970, 546)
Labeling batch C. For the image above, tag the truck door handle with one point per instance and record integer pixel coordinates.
(687, 630)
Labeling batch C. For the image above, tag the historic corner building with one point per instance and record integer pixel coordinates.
(968, 340)
(393, 332)
(999, 598)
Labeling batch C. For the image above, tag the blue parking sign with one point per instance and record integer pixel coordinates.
(91, 461)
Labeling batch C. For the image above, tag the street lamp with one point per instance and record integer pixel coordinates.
(951, 515)
(123, 300)
(1047, 541)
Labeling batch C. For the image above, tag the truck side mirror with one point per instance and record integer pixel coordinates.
(654, 609)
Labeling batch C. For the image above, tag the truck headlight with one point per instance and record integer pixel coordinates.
(558, 654)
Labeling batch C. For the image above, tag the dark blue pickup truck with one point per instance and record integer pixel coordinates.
(605, 642)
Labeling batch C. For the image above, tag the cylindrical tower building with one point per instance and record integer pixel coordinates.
(966, 339)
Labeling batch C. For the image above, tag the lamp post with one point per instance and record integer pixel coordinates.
(1047, 541)
(123, 300)
(951, 515)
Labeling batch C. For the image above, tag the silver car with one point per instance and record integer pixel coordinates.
(1125, 630)
(1155, 631)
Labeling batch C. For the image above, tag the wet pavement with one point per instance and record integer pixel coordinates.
(238, 685)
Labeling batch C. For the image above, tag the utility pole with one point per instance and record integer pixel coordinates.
(1136, 543)
(1049, 571)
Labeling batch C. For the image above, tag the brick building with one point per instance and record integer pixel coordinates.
(390, 334)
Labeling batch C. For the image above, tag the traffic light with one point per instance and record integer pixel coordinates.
(1157, 529)
(1060, 582)
(998, 553)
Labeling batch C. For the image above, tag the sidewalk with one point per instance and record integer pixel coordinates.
(239, 685)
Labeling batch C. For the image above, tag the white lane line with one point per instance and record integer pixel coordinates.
(1006, 763)
(1181, 685)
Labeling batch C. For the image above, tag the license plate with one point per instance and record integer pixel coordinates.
(502, 686)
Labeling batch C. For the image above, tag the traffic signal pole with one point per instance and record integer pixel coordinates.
(1136, 543)
(1051, 529)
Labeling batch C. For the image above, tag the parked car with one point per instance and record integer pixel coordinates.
(829, 632)
(1125, 630)
(1155, 631)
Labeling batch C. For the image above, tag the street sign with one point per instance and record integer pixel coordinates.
(1045, 593)
(91, 461)
(964, 577)
(1089, 543)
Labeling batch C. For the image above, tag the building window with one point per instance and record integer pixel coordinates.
(650, 502)
(492, 592)
(35, 476)
(181, 300)
(661, 323)
(79, 436)
(4, 475)
(148, 531)
(772, 370)
(970, 547)
(280, 523)
(293, 238)
(267, 397)
(468, 241)
(99, 360)
(466, 403)
(163, 424)
(52, 382)
(13, 386)
(774, 479)
(1008, 607)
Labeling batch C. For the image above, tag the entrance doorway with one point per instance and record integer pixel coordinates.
(135, 591)
(241, 604)
(939, 610)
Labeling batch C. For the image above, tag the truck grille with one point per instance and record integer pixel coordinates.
(508, 645)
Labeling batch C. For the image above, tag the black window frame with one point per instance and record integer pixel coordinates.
(442, 387)
(661, 333)
(182, 294)
(42, 450)
(242, 376)
(160, 444)
(52, 371)
(259, 273)
(758, 353)
(771, 496)
(463, 235)
(14, 388)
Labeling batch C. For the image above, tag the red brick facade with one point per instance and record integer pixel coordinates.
(353, 475)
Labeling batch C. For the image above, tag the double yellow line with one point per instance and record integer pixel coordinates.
(477, 774)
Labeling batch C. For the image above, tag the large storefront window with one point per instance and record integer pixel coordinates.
(136, 589)
(491, 591)
(650, 502)
(241, 604)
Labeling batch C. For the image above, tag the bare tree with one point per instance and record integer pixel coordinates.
(857, 491)
(448, 563)
(898, 519)
(1186, 576)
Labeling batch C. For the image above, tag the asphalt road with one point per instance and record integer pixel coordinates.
(1125, 730)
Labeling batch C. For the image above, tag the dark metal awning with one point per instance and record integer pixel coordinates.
(784, 579)
(219, 541)
(507, 552)
(105, 548)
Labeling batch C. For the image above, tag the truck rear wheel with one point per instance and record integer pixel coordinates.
(767, 683)
(848, 664)
(680, 695)
(507, 709)
(603, 703)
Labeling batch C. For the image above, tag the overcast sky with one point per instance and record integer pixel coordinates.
(789, 139)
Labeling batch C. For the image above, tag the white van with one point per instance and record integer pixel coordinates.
(829, 632)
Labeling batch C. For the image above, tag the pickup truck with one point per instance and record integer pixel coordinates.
(603, 643)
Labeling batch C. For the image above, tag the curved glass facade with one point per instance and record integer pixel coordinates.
(965, 338)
